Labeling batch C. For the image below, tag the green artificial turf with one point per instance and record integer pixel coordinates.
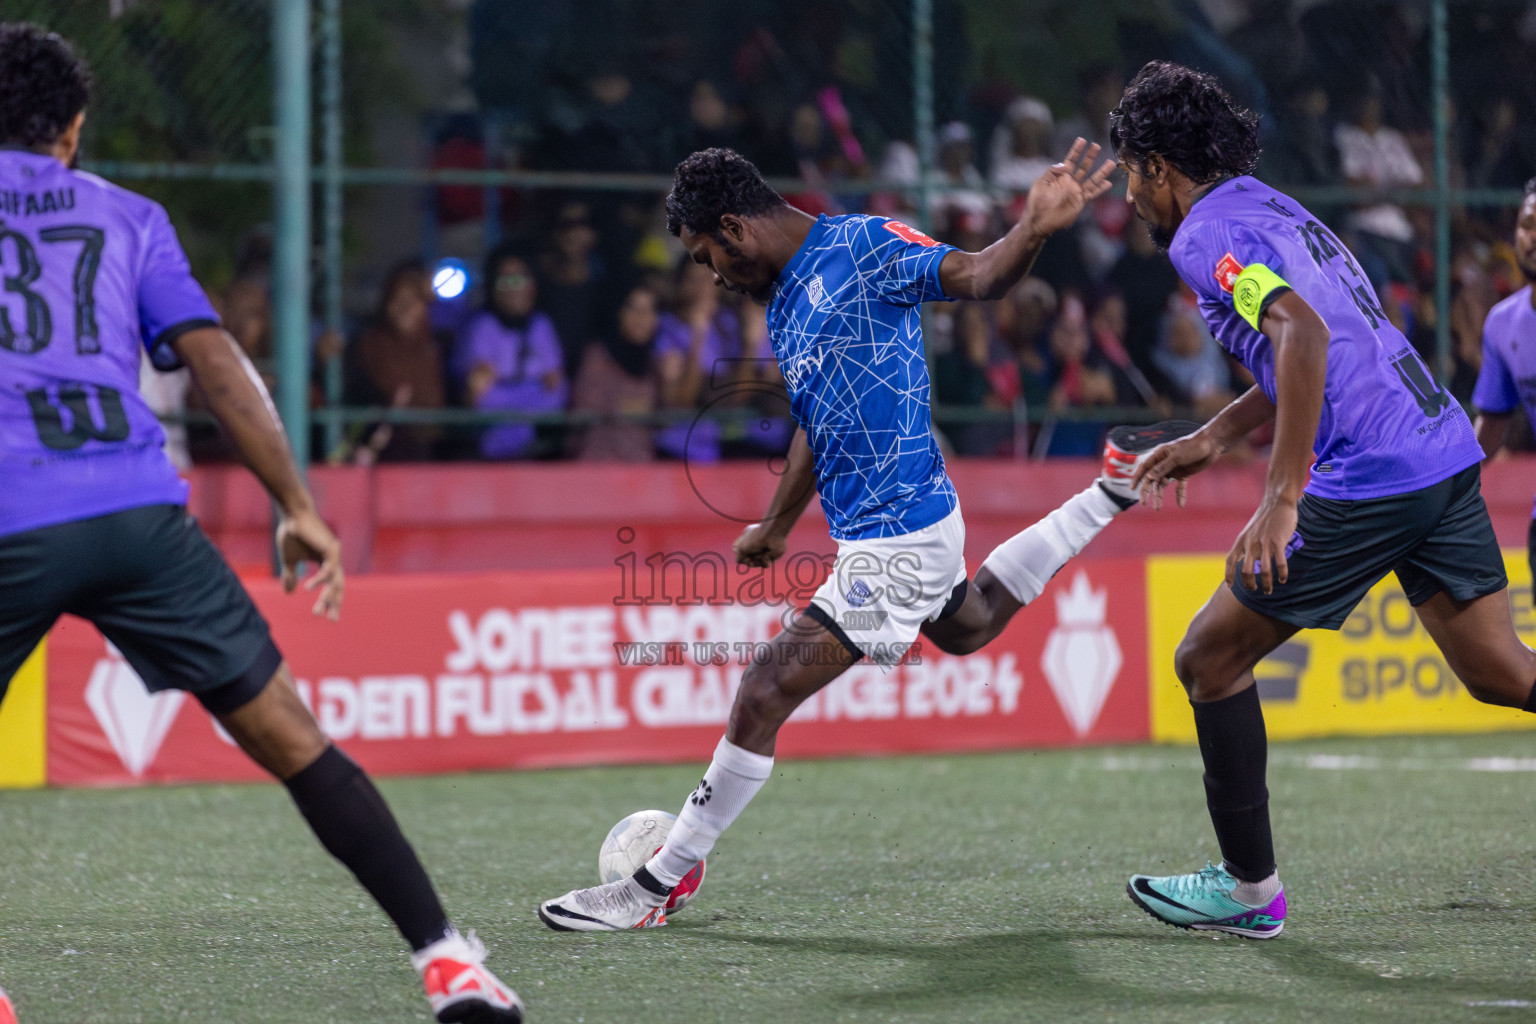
(965, 888)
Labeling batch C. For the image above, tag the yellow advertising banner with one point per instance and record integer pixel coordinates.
(22, 716)
(1380, 673)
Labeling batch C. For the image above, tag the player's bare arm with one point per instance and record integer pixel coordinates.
(1055, 201)
(1300, 340)
(240, 401)
(1179, 460)
(765, 542)
(1491, 430)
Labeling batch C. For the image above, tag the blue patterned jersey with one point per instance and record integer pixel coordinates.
(847, 332)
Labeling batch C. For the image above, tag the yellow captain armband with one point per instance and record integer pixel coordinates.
(1255, 288)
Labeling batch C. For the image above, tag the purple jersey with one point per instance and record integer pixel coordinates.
(91, 274)
(1508, 376)
(1387, 427)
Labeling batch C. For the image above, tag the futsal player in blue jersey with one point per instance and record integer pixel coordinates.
(1507, 380)
(1374, 470)
(93, 518)
(843, 296)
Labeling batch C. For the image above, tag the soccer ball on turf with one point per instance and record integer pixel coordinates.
(634, 841)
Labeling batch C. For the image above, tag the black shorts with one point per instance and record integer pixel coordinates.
(1438, 538)
(155, 586)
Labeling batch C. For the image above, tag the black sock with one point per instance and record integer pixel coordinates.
(1530, 701)
(650, 883)
(1233, 746)
(354, 824)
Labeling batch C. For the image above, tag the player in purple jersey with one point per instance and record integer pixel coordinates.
(1374, 470)
(1508, 377)
(92, 516)
(843, 296)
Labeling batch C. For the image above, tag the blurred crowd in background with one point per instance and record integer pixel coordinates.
(579, 302)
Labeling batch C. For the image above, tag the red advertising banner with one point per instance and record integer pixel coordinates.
(437, 673)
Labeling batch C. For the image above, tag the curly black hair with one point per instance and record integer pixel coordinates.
(712, 183)
(1187, 118)
(46, 84)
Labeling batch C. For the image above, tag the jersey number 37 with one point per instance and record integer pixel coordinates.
(20, 268)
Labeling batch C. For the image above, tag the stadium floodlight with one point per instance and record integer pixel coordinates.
(450, 278)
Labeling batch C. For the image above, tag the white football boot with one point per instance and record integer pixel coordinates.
(616, 907)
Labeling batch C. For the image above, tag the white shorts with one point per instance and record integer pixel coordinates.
(883, 589)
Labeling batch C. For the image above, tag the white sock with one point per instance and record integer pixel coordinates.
(453, 945)
(733, 779)
(1256, 894)
(1025, 562)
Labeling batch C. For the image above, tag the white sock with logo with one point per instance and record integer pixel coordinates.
(733, 779)
(1025, 562)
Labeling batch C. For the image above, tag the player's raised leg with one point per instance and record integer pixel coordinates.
(1017, 571)
(1455, 580)
(801, 660)
(1215, 663)
(354, 824)
(1481, 646)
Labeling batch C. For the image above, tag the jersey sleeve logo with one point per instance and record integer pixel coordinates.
(911, 234)
(1227, 271)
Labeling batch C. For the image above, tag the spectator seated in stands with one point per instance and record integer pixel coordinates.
(1108, 328)
(696, 347)
(711, 121)
(571, 281)
(1301, 152)
(509, 357)
(1144, 279)
(1023, 316)
(976, 373)
(968, 203)
(1191, 360)
(1021, 145)
(755, 383)
(396, 362)
(618, 378)
(1084, 378)
(1379, 157)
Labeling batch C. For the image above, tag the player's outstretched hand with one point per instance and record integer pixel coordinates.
(1260, 552)
(304, 537)
(1060, 194)
(759, 546)
(1178, 461)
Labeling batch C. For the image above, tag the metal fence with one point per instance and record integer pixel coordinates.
(315, 128)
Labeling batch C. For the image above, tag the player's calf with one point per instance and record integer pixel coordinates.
(1481, 646)
(764, 702)
(1023, 564)
(800, 660)
(1501, 689)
